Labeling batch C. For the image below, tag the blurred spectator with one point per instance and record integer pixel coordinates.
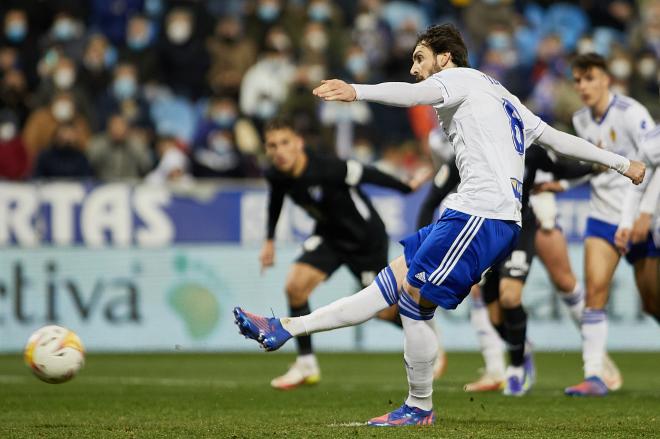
(646, 82)
(42, 124)
(264, 15)
(64, 79)
(231, 54)
(14, 94)
(125, 97)
(64, 157)
(646, 36)
(184, 59)
(110, 17)
(96, 64)
(18, 35)
(173, 165)
(14, 163)
(140, 50)
(265, 85)
(216, 150)
(116, 154)
(67, 34)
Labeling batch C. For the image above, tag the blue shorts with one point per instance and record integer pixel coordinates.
(447, 258)
(601, 229)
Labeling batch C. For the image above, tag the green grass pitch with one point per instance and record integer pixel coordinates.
(228, 396)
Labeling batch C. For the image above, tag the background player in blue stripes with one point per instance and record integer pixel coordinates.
(489, 130)
(616, 123)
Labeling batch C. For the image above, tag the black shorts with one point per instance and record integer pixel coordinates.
(364, 266)
(517, 264)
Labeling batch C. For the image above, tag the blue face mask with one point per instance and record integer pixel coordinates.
(124, 88)
(138, 42)
(224, 119)
(64, 30)
(268, 12)
(16, 31)
(499, 41)
(319, 12)
(357, 64)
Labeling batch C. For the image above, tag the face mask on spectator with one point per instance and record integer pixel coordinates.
(499, 41)
(138, 42)
(7, 131)
(16, 31)
(179, 31)
(317, 40)
(268, 12)
(319, 12)
(357, 64)
(221, 144)
(64, 29)
(124, 87)
(62, 110)
(620, 68)
(64, 78)
(646, 67)
(266, 109)
(224, 118)
(585, 45)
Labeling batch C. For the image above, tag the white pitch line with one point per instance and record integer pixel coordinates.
(348, 424)
(134, 381)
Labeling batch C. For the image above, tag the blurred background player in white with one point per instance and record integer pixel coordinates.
(348, 229)
(641, 226)
(615, 123)
(489, 129)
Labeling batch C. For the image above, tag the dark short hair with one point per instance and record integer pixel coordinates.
(443, 38)
(280, 123)
(588, 60)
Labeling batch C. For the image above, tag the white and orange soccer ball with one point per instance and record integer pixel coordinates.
(55, 354)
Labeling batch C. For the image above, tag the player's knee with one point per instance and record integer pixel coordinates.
(564, 282)
(510, 300)
(296, 292)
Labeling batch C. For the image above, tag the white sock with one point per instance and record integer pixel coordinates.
(437, 332)
(574, 301)
(492, 346)
(308, 361)
(347, 311)
(594, 340)
(420, 350)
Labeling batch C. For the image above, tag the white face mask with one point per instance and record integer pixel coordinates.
(62, 110)
(620, 68)
(7, 131)
(317, 40)
(179, 31)
(585, 45)
(646, 67)
(64, 78)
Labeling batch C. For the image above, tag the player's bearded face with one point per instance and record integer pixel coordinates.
(425, 63)
(591, 84)
(283, 148)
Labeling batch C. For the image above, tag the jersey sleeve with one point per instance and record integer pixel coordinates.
(639, 122)
(452, 87)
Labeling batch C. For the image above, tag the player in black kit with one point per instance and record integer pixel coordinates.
(348, 229)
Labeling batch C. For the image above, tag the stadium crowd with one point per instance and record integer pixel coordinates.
(169, 89)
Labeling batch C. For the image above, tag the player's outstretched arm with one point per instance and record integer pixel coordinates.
(579, 149)
(398, 94)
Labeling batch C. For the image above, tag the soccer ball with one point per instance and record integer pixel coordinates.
(55, 354)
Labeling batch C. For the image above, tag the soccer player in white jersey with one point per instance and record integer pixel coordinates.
(638, 225)
(616, 123)
(489, 129)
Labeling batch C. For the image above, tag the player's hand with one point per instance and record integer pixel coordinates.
(267, 256)
(641, 228)
(335, 90)
(636, 171)
(548, 186)
(621, 240)
(421, 176)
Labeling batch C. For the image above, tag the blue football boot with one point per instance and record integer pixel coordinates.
(267, 331)
(404, 415)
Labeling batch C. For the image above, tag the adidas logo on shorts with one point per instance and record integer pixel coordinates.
(421, 276)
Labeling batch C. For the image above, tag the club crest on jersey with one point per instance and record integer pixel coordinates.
(612, 134)
(517, 187)
(316, 192)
